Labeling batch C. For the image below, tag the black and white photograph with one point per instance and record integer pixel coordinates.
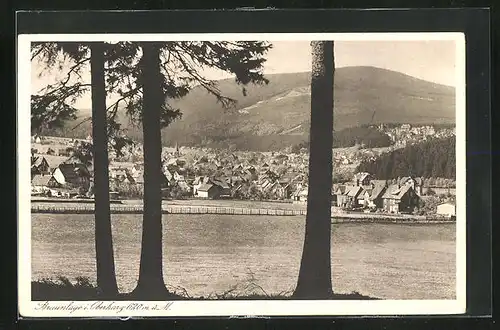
(241, 174)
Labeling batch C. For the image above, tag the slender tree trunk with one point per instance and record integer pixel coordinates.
(106, 277)
(315, 279)
(151, 285)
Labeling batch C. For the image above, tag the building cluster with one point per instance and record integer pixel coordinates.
(197, 174)
(67, 179)
(406, 134)
(214, 174)
(364, 192)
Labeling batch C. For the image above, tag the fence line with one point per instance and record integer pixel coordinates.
(134, 209)
(336, 218)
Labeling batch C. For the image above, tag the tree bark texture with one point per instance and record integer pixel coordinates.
(315, 276)
(106, 277)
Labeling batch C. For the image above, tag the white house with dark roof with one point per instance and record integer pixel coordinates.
(447, 209)
(208, 190)
(73, 174)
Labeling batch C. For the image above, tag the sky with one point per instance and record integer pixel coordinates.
(429, 60)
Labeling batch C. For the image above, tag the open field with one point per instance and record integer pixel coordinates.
(211, 254)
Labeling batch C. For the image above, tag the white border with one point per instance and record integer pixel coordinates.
(27, 308)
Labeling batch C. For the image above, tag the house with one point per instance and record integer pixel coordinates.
(397, 198)
(202, 159)
(43, 181)
(287, 186)
(447, 209)
(415, 183)
(171, 162)
(276, 190)
(168, 175)
(40, 165)
(138, 177)
(238, 168)
(65, 152)
(375, 200)
(352, 196)
(382, 183)
(264, 183)
(186, 188)
(362, 179)
(224, 187)
(300, 195)
(181, 162)
(340, 197)
(198, 182)
(178, 177)
(208, 191)
(247, 176)
(236, 179)
(363, 198)
(120, 174)
(72, 174)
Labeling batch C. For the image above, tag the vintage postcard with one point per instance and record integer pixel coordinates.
(241, 174)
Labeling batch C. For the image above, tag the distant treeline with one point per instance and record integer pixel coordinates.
(348, 137)
(435, 158)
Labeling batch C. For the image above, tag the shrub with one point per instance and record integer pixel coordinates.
(128, 190)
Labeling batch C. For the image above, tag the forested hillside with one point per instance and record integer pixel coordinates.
(435, 158)
(348, 137)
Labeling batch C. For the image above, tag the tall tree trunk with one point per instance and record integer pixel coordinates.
(315, 279)
(106, 277)
(151, 285)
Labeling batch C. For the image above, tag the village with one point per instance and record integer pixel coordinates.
(201, 173)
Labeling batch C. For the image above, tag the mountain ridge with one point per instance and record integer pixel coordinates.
(277, 115)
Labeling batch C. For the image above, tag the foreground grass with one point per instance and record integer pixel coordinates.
(82, 289)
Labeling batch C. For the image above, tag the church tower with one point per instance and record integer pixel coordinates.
(177, 152)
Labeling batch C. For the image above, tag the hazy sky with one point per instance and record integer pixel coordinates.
(429, 60)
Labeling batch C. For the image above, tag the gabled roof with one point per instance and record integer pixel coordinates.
(396, 192)
(198, 180)
(303, 192)
(365, 191)
(205, 187)
(73, 170)
(221, 183)
(354, 191)
(39, 161)
(361, 175)
(138, 177)
(41, 180)
(405, 179)
(341, 189)
(377, 192)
